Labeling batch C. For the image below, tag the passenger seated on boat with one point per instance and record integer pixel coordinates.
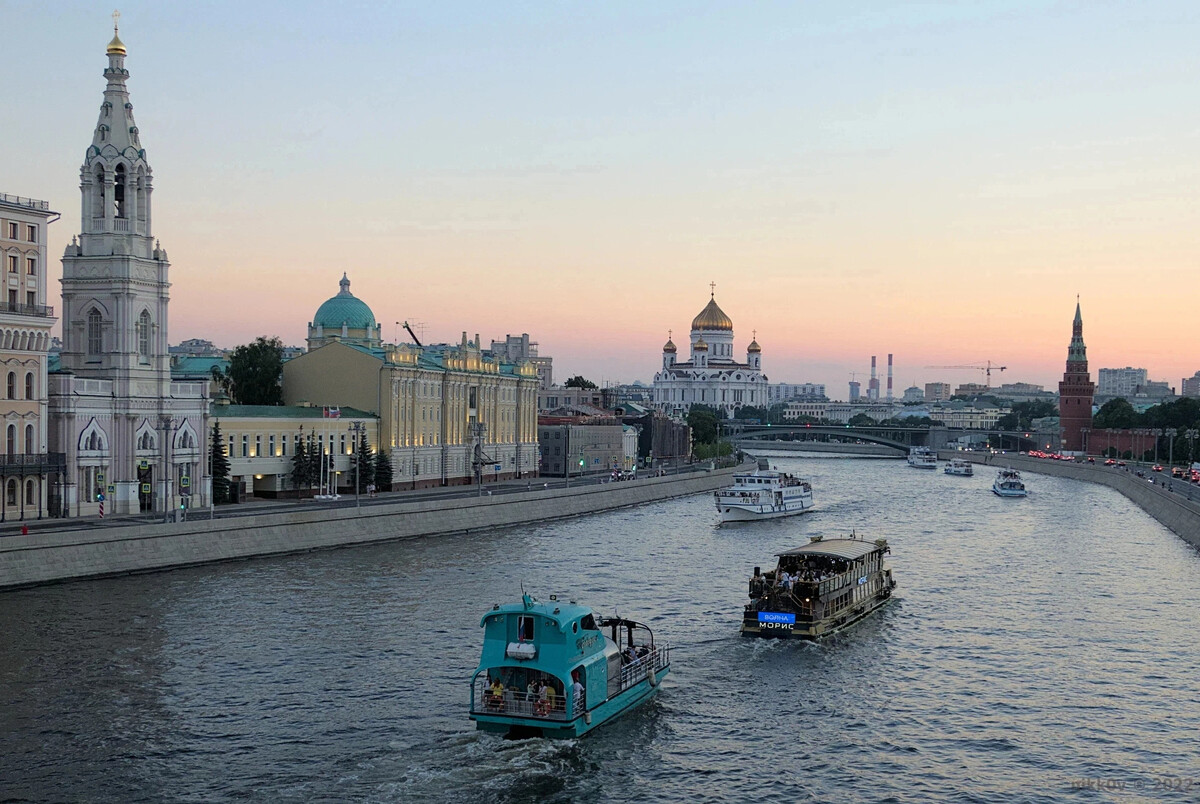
(551, 699)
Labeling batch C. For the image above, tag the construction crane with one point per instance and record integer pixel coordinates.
(986, 367)
(411, 334)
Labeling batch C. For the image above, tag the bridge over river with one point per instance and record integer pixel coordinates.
(900, 439)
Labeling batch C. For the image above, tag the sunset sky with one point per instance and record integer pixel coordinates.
(935, 180)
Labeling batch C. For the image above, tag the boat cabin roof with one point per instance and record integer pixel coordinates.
(837, 548)
(562, 613)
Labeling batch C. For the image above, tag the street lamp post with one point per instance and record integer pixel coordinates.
(357, 429)
(1191, 435)
(168, 425)
(1171, 432)
(1158, 433)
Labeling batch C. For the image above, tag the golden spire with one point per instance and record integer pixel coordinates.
(116, 47)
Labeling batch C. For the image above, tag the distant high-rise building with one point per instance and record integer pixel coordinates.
(855, 391)
(1191, 385)
(972, 389)
(1120, 381)
(514, 349)
(1075, 392)
(937, 391)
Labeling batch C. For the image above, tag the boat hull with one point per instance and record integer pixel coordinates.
(733, 512)
(613, 708)
(813, 632)
(1009, 492)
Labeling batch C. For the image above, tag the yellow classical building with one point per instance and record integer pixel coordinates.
(449, 414)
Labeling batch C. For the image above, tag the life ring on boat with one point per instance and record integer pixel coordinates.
(650, 673)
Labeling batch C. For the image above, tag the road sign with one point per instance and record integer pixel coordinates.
(497, 467)
(100, 477)
(185, 481)
(143, 464)
(112, 489)
(145, 488)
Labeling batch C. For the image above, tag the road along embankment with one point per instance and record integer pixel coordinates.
(753, 446)
(48, 557)
(1179, 514)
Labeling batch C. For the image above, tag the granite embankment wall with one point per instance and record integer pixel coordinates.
(47, 557)
(1176, 512)
(752, 445)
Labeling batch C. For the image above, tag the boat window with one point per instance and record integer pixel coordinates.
(575, 627)
(589, 623)
(525, 628)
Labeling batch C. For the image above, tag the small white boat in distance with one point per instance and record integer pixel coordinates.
(958, 466)
(763, 494)
(1008, 484)
(922, 458)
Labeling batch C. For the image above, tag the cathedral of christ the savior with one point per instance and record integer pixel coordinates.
(712, 376)
(133, 439)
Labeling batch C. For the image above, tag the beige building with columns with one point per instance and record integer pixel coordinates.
(447, 413)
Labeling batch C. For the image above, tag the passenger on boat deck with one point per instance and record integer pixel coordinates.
(577, 692)
(531, 690)
(785, 580)
(551, 696)
(496, 694)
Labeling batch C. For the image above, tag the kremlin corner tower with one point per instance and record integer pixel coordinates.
(1075, 392)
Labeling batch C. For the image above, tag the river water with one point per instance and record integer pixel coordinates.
(1037, 648)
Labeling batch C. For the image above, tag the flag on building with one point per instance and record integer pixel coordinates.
(332, 413)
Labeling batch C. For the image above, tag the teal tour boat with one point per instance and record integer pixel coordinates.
(555, 670)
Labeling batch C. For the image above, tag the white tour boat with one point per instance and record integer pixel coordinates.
(958, 466)
(922, 458)
(1008, 484)
(763, 494)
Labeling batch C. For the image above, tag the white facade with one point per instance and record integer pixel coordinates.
(128, 432)
(1120, 381)
(711, 377)
(786, 391)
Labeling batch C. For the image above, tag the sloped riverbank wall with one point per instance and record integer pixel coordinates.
(48, 556)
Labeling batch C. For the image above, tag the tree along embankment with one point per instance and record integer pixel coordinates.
(1179, 514)
(47, 557)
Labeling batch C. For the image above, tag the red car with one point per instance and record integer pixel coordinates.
(1110, 462)
(1156, 468)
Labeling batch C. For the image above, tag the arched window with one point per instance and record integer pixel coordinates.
(12, 439)
(119, 192)
(30, 446)
(11, 492)
(30, 493)
(143, 334)
(29, 385)
(11, 386)
(98, 207)
(95, 335)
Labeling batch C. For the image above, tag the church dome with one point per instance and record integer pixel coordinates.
(344, 309)
(669, 346)
(754, 347)
(712, 317)
(701, 346)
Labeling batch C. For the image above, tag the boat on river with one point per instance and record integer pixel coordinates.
(555, 670)
(1008, 484)
(960, 468)
(763, 494)
(922, 458)
(819, 589)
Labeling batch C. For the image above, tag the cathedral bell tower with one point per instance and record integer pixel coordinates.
(114, 284)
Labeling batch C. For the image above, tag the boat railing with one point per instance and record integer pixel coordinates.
(639, 669)
(515, 703)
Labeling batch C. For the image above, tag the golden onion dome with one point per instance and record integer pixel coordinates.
(700, 345)
(753, 347)
(669, 346)
(116, 46)
(712, 317)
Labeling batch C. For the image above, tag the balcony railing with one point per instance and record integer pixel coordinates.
(39, 310)
(19, 201)
(32, 463)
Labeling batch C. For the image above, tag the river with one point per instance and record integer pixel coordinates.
(1038, 648)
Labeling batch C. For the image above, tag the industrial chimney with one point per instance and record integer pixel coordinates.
(889, 388)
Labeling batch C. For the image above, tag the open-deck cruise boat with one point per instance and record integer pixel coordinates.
(959, 467)
(1008, 484)
(922, 458)
(554, 670)
(819, 589)
(763, 494)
